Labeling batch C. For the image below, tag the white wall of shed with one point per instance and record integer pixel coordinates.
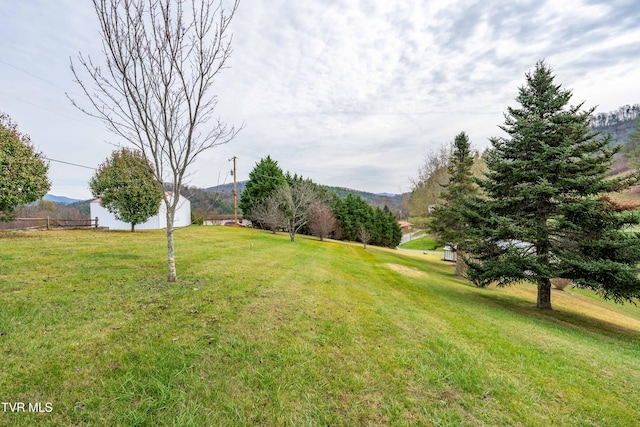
(107, 219)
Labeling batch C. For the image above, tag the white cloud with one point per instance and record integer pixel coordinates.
(349, 92)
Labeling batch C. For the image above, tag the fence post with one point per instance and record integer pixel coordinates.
(96, 222)
(48, 225)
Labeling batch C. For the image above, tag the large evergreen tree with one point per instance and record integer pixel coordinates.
(127, 188)
(447, 220)
(352, 212)
(545, 213)
(265, 177)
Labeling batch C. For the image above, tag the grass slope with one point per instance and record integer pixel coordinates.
(425, 242)
(260, 331)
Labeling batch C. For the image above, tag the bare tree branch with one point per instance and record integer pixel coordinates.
(294, 200)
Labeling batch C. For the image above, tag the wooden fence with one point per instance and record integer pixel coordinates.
(48, 223)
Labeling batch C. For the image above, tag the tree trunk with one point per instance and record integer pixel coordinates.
(459, 263)
(292, 229)
(544, 296)
(133, 226)
(171, 260)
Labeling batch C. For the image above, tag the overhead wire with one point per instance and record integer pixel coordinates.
(68, 163)
(49, 109)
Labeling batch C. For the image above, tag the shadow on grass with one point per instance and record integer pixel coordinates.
(20, 234)
(566, 319)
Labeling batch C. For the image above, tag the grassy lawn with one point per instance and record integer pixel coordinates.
(424, 242)
(261, 331)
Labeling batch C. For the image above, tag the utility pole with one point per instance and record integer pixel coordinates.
(235, 192)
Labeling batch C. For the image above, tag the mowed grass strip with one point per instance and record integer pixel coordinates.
(422, 242)
(262, 331)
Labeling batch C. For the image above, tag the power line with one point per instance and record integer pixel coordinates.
(87, 123)
(36, 76)
(68, 163)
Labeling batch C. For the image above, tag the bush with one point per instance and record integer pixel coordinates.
(560, 283)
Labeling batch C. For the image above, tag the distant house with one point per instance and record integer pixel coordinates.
(226, 220)
(107, 219)
(405, 226)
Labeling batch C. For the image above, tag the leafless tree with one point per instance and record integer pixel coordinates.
(322, 222)
(295, 200)
(432, 174)
(364, 235)
(155, 90)
(269, 215)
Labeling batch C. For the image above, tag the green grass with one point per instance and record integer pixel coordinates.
(262, 331)
(424, 242)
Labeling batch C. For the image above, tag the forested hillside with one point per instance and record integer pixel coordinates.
(224, 193)
(618, 123)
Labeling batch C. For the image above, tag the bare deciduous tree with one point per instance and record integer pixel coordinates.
(269, 215)
(295, 200)
(364, 235)
(155, 90)
(432, 174)
(322, 222)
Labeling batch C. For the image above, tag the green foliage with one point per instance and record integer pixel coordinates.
(197, 217)
(126, 185)
(395, 203)
(544, 214)
(23, 171)
(265, 177)
(284, 201)
(352, 212)
(447, 219)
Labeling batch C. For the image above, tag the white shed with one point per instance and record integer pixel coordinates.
(449, 254)
(107, 219)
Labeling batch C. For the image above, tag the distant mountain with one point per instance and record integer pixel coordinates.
(60, 199)
(393, 201)
(227, 188)
(380, 199)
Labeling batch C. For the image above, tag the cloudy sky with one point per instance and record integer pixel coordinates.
(346, 92)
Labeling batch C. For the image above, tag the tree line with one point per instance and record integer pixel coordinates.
(275, 200)
(625, 113)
